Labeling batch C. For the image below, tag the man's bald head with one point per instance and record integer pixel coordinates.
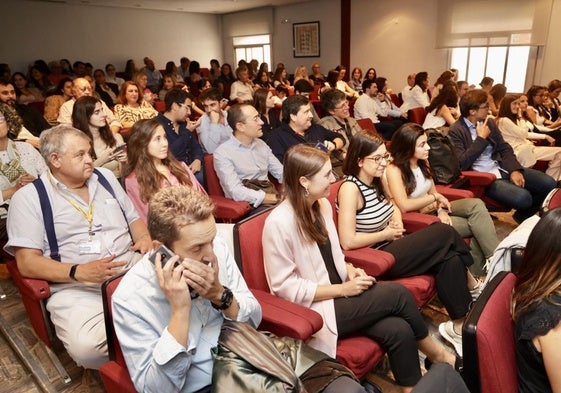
(81, 87)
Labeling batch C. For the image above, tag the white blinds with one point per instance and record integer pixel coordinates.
(464, 23)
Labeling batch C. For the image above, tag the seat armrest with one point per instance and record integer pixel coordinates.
(453, 194)
(414, 221)
(35, 288)
(229, 209)
(285, 318)
(373, 262)
(479, 178)
(116, 378)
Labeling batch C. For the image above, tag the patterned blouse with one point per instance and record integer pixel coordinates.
(127, 115)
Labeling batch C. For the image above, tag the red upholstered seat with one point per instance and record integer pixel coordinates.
(488, 339)
(417, 115)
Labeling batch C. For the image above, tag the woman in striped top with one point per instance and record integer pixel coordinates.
(368, 218)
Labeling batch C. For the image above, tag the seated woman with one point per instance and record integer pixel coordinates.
(264, 102)
(54, 101)
(342, 85)
(20, 163)
(356, 80)
(225, 80)
(496, 95)
(150, 166)
(171, 69)
(530, 104)
(445, 78)
(304, 264)
(442, 110)
(337, 116)
(369, 218)
(262, 81)
(38, 79)
(141, 81)
(280, 78)
(24, 93)
(88, 117)
(537, 309)
(169, 83)
(131, 107)
(518, 133)
(301, 73)
(554, 89)
(412, 187)
(418, 96)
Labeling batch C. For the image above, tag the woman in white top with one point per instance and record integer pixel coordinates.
(344, 86)
(534, 112)
(418, 98)
(301, 73)
(20, 163)
(442, 110)
(518, 133)
(88, 117)
(413, 189)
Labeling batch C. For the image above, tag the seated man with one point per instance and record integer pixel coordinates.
(241, 90)
(155, 78)
(93, 223)
(244, 161)
(214, 128)
(82, 87)
(368, 106)
(304, 88)
(168, 319)
(317, 77)
(179, 131)
(297, 128)
(481, 147)
(32, 119)
(107, 91)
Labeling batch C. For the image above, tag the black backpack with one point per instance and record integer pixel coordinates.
(444, 163)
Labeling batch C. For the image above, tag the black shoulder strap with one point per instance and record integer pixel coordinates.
(48, 219)
(47, 211)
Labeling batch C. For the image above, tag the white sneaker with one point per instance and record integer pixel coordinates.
(446, 330)
(476, 290)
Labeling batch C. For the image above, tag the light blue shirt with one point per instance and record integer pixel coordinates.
(485, 162)
(141, 312)
(234, 162)
(213, 135)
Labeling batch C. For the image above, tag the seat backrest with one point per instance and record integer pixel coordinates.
(248, 250)
(333, 191)
(107, 290)
(366, 124)
(552, 200)
(211, 178)
(417, 115)
(160, 106)
(488, 339)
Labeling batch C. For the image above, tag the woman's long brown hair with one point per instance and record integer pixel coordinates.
(139, 161)
(540, 273)
(303, 160)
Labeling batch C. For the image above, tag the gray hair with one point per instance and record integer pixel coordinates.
(52, 140)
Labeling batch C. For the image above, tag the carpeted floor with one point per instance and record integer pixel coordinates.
(15, 378)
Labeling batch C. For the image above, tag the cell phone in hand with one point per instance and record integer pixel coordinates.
(120, 148)
(321, 146)
(165, 255)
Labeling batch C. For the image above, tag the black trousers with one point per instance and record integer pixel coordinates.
(388, 314)
(386, 128)
(439, 250)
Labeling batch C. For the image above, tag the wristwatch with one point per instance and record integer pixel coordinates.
(225, 300)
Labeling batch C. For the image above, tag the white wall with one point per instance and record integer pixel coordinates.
(327, 12)
(397, 40)
(548, 66)
(49, 31)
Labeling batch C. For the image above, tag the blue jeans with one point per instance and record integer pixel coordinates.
(527, 200)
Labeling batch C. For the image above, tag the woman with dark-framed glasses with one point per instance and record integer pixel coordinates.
(368, 218)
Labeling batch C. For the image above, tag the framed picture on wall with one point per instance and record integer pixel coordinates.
(306, 39)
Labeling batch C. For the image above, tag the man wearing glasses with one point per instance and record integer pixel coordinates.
(179, 131)
(481, 147)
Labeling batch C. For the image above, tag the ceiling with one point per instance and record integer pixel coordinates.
(206, 6)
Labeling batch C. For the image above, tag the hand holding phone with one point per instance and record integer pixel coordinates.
(165, 255)
(120, 149)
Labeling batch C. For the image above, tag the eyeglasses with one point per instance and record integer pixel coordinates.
(181, 105)
(378, 159)
(342, 106)
(485, 106)
(2, 119)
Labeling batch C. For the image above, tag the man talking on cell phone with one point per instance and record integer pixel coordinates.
(169, 335)
(481, 147)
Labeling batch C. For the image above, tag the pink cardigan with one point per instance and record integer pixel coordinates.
(133, 191)
(295, 268)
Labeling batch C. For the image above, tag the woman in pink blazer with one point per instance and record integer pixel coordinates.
(304, 264)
